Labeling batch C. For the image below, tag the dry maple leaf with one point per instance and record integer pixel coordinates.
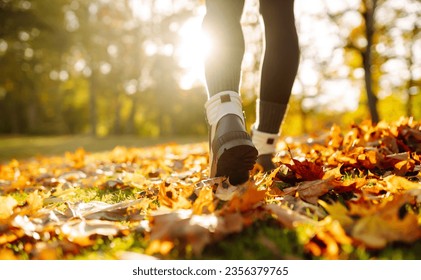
(327, 239)
(77, 159)
(248, 200)
(338, 212)
(204, 204)
(197, 231)
(288, 217)
(335, 138)
(81, 231)
(306, 170)
(383, 223)
(376, 231)
(181, 225)
(310, 191)
(7, 204)
(171, 198)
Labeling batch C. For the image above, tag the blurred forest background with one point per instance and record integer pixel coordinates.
(113, 67)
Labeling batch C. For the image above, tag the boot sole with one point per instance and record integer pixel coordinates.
(235, 159)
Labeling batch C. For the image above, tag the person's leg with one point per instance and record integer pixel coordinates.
(232, 152)
(278, 71)
(223, 65)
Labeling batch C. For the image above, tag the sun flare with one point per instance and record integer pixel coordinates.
(194, 47)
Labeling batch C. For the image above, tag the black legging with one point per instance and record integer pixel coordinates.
(281, 56)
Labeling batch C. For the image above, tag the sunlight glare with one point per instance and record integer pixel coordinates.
(195, 46)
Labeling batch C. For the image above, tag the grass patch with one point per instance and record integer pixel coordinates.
(22, 147)
(264, 239)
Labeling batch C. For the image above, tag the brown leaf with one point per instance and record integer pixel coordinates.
(288, 217)
(310, 191)
(306, 170)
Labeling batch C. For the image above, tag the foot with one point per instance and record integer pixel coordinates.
(266, 145)
(266, 162)
(234, 154)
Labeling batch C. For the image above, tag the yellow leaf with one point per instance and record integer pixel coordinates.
(397, 183)
(385, 225)
(34, 202)
(7, 254)
(158, 246)
(338, 212)
(204, 203)
(7, 204)
(170, 197)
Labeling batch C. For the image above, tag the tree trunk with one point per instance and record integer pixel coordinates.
(411, 82)
(117, 114)
(368, 14)
(132, 115)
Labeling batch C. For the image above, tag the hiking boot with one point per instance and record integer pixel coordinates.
(232, 153)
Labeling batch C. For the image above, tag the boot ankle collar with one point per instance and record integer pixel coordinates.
(222, 104)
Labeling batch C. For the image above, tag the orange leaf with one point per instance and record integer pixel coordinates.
(204, 203)
(170, 197)
(246, 201)
(161, 247)
(7, 254)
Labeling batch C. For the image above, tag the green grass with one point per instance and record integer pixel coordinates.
(22, 147)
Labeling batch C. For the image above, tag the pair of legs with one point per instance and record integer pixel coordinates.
(233, 152)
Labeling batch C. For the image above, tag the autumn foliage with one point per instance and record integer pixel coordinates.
(358, 188)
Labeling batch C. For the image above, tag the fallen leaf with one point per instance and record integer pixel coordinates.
(162, 247)
(310, 191)
(288, 217)
(204, 204)
(306, 170)
(7, 204)
(376, 232)
(7, 254)
(81, 231)
(338, 212)
(248, 200)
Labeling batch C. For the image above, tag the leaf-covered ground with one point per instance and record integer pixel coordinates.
(353, 194)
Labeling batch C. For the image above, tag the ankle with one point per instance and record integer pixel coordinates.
(265, 142)
(269, 116)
